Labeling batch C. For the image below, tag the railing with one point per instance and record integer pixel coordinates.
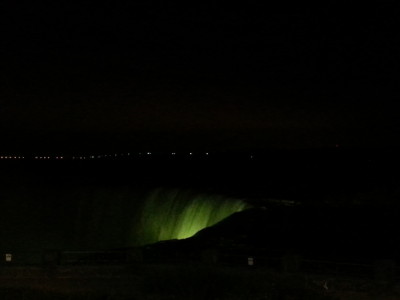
(35, 261)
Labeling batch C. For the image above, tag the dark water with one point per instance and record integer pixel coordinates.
(107, 204)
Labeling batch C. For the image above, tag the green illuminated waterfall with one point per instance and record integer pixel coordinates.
(179, 214)
(93, 217)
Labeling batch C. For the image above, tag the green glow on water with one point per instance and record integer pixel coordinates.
(177, 214)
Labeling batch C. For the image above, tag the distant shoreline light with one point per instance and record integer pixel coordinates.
(97, 156)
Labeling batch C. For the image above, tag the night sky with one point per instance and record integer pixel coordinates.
(141, 75)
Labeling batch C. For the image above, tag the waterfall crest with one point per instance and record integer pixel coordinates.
(179, 214)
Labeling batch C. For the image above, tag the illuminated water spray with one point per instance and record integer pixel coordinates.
(177, 214)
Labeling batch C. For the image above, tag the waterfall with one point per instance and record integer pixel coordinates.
(179, 214)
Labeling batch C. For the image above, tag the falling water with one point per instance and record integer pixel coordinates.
(179, 214)
(93, 217)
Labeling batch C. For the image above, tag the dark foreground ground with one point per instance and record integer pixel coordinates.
(186, 281)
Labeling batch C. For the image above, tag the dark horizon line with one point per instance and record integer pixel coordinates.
(195, 153)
